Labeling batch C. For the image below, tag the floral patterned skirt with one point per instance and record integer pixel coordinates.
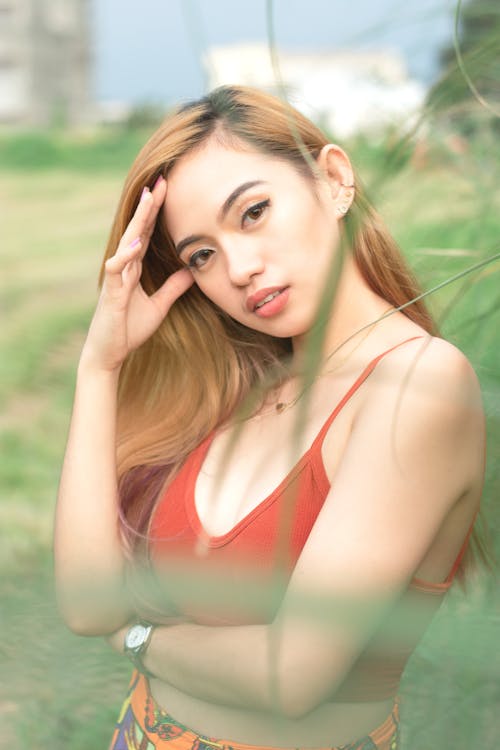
(143, 725)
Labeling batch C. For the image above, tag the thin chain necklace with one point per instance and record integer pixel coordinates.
(282, 406)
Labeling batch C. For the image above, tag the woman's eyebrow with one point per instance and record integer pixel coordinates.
(222, 213)
(236, 194)
(187, 241)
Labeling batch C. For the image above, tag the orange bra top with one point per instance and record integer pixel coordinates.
(265, 545)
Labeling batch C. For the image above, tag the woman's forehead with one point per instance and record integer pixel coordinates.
(214, 161)
(210, 174)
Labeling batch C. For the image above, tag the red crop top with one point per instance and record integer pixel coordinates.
(264, 547)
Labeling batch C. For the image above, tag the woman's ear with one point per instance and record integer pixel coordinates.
(336, 169)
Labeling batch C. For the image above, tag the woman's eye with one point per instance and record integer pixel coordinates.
(199, 258)
(253, 214)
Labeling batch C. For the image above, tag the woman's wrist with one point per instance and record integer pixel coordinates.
(88, 367)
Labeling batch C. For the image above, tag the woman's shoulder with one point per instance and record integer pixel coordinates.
(427, 385)
(424, 361)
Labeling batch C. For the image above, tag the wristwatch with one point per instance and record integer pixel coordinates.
(136, 642)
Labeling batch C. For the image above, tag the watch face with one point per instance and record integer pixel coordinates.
(136, 636)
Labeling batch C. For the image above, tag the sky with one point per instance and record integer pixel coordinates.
(150, 51)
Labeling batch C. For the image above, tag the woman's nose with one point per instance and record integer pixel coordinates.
(243, 262)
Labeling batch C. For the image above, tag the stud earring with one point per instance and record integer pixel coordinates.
(348, 193)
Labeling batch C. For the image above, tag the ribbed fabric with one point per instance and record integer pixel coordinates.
(266, 543)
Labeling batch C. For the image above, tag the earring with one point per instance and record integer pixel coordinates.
(349, 192)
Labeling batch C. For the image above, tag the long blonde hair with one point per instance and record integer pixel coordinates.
(200, 364)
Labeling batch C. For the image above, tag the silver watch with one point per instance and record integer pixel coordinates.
(136, 642)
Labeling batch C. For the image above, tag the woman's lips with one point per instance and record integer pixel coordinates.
(258, 298)
(271, 303)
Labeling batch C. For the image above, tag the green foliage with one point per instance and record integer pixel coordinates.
(470, 80)
(63, 691)
(479, 44)
(145, 117)
(102, 150)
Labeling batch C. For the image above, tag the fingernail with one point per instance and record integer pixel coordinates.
(145, 191)
(136, 242)
(158, 181)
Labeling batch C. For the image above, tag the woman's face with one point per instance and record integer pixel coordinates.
(257, 235)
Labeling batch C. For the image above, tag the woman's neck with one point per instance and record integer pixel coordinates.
(353, 309)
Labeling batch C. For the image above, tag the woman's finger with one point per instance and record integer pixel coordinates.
(158, 192)
(144, 219)
(115, 265)
(132, 273)
(138, 223)
(173, 288)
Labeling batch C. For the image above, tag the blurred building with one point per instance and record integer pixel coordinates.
(44, 61)
(347, 92)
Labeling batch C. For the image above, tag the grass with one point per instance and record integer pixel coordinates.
(55, 224)
(58, 197)
(91, 153)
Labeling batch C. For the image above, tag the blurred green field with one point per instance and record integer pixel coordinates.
(57, 198)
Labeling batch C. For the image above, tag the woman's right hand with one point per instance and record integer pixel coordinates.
(125, 315)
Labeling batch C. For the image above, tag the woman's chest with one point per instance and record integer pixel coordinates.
(239, 571)
(232, 525)
(245, 467)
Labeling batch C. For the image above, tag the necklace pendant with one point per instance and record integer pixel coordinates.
(280, 406)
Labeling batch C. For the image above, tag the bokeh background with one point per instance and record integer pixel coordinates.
(82, 85)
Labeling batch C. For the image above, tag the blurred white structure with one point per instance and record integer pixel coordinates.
(347, 92)
(44, 61)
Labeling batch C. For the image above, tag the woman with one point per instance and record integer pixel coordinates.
(290, 466)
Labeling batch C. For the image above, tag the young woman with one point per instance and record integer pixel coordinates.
(272, 472)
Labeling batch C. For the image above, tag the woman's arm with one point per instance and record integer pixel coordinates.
(412, 455)
(89, 560)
